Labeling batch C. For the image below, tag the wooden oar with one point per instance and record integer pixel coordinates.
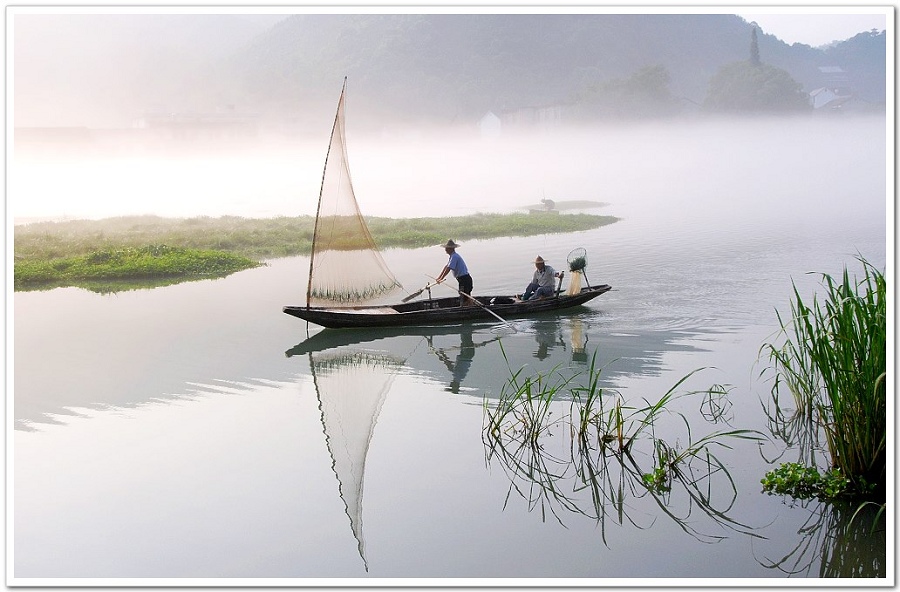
(416, 293)
(470, 297)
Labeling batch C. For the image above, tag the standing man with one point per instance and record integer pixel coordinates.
(542, 284)
(460, 272)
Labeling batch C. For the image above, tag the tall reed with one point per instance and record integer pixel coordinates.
(833, 363)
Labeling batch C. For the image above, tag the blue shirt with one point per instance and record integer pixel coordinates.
(457, 265)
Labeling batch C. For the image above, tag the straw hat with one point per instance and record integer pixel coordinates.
(539, 259)
(450, 244)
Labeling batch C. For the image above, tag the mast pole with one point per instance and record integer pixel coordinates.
(312, 253)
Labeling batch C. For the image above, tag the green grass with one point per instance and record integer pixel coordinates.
(832, 362)
(110, 270)
(274, 237)
(51, 254)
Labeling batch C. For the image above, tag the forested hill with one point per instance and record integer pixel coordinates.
(447, 68)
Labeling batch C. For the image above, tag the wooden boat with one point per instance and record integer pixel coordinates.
(439, 310)
(346, 268)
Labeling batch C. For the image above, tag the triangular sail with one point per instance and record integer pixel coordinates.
(345, 266)
(351, 387)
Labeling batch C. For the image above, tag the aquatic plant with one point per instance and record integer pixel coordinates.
(833, 363)
(608, 440)
(804, 482)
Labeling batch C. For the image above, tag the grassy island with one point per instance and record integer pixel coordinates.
(167, 250)
(114, 269)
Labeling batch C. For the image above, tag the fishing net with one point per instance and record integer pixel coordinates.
(345, 265)
(577, 260)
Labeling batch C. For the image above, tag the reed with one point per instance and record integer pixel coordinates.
(609, 438)
(833, 363)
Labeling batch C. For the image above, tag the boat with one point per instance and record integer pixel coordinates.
(440, 310)
(346, 269)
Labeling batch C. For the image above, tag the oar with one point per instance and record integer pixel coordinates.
(461, 293)
(416, 293)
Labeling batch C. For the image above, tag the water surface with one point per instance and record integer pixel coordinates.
(195, 431)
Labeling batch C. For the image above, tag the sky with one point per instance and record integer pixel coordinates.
(812, 28)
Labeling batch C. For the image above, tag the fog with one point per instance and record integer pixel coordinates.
(104, 70)
(687, 168)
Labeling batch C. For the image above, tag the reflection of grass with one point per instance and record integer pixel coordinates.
(838, 540)
(832, 362)
(609, 443)
(128, 268)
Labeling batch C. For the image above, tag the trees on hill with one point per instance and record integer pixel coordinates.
(753, 86)
(644, 94)
(743, 87)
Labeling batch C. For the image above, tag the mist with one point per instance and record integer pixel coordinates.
(105, 70)
(168, 114)
(683, 169)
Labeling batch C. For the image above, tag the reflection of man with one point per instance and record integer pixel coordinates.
(463, 360)
(545, 335)
(460, 366)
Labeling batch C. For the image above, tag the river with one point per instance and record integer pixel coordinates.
(196, 431)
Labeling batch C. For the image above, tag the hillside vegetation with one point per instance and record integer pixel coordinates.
(455, 68)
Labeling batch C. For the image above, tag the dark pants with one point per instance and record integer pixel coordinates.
(465, 286)
(533, 291)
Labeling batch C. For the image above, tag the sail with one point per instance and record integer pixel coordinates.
(345, 266)
(351, 387)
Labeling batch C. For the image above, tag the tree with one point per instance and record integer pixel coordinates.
(754, 47)
(743, 87)
(644, 94)
(752, 86)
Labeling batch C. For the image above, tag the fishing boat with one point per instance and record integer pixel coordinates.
(440, 310)
(347, 270)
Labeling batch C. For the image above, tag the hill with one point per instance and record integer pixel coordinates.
(448, 68)
(106, 70)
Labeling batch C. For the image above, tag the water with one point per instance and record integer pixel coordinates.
(195, 431)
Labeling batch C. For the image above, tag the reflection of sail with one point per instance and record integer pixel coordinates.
(351, 387)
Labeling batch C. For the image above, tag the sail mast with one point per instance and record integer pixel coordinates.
(312, 253)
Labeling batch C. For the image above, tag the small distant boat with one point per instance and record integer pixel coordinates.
(347, 269)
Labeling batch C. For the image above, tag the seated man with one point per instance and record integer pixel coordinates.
(542, 284)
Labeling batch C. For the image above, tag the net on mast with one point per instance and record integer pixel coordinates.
(346, 267)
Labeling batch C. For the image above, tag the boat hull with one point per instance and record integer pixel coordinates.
(439, 311)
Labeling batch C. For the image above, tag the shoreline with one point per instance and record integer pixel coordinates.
(52, 246)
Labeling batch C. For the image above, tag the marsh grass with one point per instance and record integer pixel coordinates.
(128, 267)
(614, 451)
(271, 237)
(43, 250)
(832, 362)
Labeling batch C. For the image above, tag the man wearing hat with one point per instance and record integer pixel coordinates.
(542, 284)
(460, 272)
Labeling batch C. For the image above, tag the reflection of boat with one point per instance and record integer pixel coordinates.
(346, 268)
(438, 310)
(329, 339)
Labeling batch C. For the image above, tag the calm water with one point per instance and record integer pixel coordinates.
(196, 431)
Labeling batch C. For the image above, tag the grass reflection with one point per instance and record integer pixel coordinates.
(838, 540)
(612, 453)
